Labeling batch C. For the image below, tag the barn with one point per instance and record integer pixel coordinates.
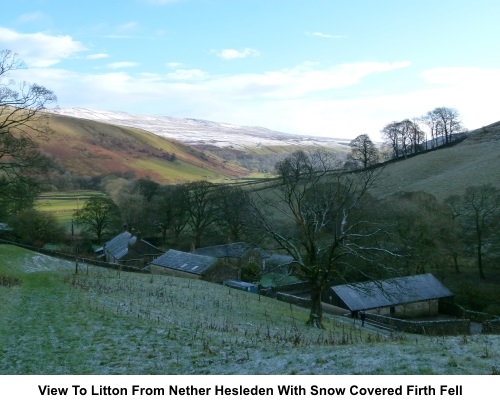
(402, 297)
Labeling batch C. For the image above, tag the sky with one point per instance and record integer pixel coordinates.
(312, 67)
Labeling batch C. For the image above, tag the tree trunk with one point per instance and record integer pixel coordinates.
(480, 262)
(455, 262)
(479, 249)
(316, 314)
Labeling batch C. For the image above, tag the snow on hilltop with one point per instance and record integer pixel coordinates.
(198, 132)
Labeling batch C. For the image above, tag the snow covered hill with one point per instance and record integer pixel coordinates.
(201, 132)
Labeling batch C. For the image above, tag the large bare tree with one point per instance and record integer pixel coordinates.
(316, 214)
(201, 209)
(479, 211)
(21, 118)
(22, 123)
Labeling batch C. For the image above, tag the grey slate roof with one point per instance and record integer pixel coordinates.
(386, 293)
(125, 242)
(183, 261)
(118, 246)
(236, 249)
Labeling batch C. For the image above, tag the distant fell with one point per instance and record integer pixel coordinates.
(91, 148)
(197, 132)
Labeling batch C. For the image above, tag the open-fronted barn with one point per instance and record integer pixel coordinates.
(409, 296)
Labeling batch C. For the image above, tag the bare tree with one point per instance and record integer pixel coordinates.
(427, 230)
(201, 208)
(316, 216)
(444, 122)
(21, 119)
(232, 204)
(98, 216)
(480, 213)
(363, 150)
(405, 137)
(171, 210)
(21, 122)
(391, 134)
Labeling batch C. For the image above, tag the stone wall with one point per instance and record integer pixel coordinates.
(439, 328)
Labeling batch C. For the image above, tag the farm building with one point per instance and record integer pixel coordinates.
(400, 297)
(242, 285)
(237, 254)
(128, 249)
(190, 265)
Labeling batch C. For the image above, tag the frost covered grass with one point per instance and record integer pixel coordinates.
(101, 321)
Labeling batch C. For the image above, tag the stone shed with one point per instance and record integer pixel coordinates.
(402, 297)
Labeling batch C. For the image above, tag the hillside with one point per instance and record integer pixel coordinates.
(91, 148)
(104, 322)
(254, 148)
(197, 132)
(444, 172)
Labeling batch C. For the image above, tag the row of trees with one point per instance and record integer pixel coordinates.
(181, 214)
(408, 137)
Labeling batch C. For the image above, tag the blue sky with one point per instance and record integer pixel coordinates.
(313, 67)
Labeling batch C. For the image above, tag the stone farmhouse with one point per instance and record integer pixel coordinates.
(131, 250)
(191, 265)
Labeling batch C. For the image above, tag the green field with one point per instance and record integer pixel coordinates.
(64, 204)
(101, 321)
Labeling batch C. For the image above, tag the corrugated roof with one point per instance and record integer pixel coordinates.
(386, 293)
(183, 261)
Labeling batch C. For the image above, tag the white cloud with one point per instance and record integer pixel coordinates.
(323, 35)
(98, 56)
(187, 74)
(173, 65)
(302, 99)
(237, 54)
(121, 65)
(39, 49)
(300, 80)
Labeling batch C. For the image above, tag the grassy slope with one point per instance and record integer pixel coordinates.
(92, 148)
(449, 171)
(106, 322)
